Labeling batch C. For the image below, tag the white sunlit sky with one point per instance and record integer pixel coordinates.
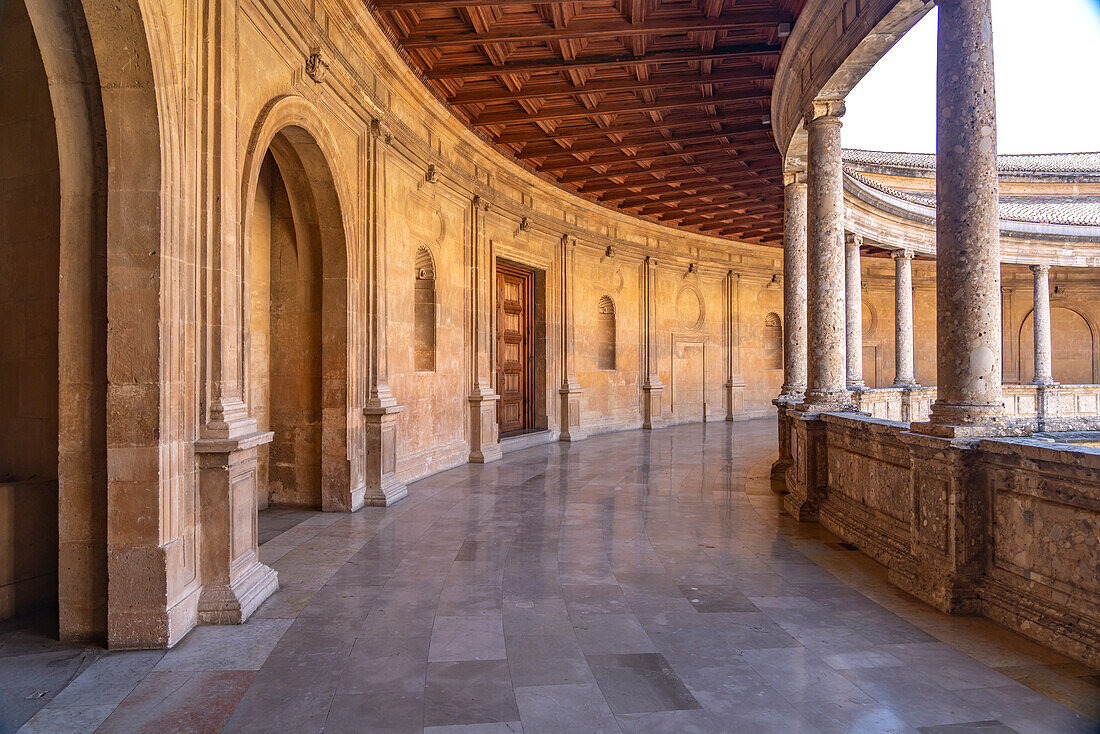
(1047, 67)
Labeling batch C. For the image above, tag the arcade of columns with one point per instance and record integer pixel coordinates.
(957, 506)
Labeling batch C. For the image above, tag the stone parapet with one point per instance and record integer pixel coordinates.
(1007, 528)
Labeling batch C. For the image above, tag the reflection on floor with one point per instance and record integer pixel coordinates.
(636, 582)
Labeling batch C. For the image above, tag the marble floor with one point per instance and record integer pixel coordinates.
(635, 582)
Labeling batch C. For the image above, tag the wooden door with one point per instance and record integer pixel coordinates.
(514, 370)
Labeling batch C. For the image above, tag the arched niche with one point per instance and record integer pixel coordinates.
(1073, 346)
(297, 260)
(772, 340)
(424, 311)
(605, 334)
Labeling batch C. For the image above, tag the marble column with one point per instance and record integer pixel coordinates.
(1040, 317)
(794, 286)
(826, 388)
(853, 318)
(968, 252)
(903, 319)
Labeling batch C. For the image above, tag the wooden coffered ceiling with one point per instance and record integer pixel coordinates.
(657, 108)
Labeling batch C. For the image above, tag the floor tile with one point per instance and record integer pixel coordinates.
(640, 683)
(565, 708)
(470, 692)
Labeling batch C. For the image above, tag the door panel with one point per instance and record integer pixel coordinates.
(514, 313)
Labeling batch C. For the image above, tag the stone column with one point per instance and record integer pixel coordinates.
(947, 487)
(853, 289)
(484, 436)
(903, 319)
(651, 382)
(1040, 317)
(570, 391)
(968, 252)
(734, 385)
(794, 286)
(826, 388)
(382, 486)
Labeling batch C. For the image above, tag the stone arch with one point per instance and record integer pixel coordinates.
(605, 334)
(72, 264)
(772, 340)
(1073, 345)
(424, 308)
(307, 307)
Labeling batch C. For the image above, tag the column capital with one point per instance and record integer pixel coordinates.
(902, 254)
(380, 130)
(820, 110)
(480, 202)
(853, 240)
(794, 178)
(568, 240)
(651, 260)
(1040, 268)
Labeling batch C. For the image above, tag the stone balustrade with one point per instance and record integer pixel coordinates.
(1022, 553)
(1039, 407)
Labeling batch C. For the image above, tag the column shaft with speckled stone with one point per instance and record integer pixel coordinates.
(794, 286)
(853, 305)
(903, 319)
(968, 252)
(1041, 319)
(826, 387)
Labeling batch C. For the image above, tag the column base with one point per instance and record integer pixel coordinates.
(234, 582)
(234, 603)
(807, 476)
(947, 531)
(735, 399)
(571, 428)
(827, 402)
(651, 405)
(484, 438)
(383, 488)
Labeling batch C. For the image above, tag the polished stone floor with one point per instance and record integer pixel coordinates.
(635, 582)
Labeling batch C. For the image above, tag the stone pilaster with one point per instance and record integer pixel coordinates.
(1040, 317)
(968, 253)
(734, 385)
(570, 391)
(853, 312)
(383, 487)
(903, 319)
(652, 388)
(484, 433)
(234, 582)
(826, 385)
(794, 286)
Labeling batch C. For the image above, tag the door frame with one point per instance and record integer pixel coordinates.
(528, 274)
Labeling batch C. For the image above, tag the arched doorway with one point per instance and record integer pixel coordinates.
(30, 236)
(298, 315)
(1072, 347)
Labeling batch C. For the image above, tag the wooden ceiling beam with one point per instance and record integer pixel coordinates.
(745, 74)
(562, 163)
(733, 133)
(712, 197)
(616, 61)
(694, 184)
(689, 176)
(628, 107)
(592, 131)
(523, 32)
(582, 171)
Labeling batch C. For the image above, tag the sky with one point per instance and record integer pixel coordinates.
(1047, 66)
